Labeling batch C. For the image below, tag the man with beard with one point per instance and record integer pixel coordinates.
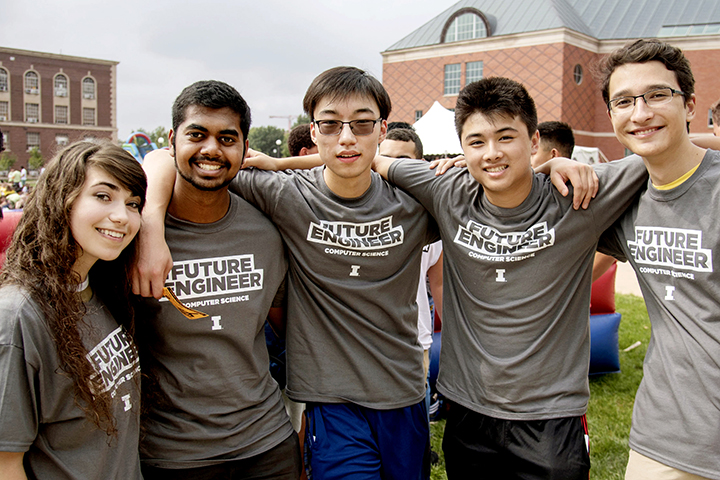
(212, 408)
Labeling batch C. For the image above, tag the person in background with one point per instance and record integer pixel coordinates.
(300, 142)
(556, 140)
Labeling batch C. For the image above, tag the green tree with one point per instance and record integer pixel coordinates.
(36, 159)
(301, 119)
(265, 139)
(7, 160)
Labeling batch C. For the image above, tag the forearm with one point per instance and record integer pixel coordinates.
(11, 466)
(159, 168)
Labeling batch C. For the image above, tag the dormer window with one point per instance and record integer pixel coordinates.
(466, 24)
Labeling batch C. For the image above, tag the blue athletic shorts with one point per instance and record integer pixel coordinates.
(350, 442)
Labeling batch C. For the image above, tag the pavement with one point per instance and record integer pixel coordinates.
(625, 280)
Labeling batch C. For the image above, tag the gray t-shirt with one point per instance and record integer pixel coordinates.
(38, 414)
(352, 283)
(672, 240)
(517, 288)
(216, 398)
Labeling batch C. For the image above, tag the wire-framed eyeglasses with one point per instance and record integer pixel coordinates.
(360, 127)
(652, 98)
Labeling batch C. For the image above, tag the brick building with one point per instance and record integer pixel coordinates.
(49, 100)
(550, 46)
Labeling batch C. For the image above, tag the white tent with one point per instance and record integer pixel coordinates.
(436, 129)
(588, 155)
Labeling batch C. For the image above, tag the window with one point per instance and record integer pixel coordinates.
(578, 74)
(418, 115)
(3, 80)
(466, 27)
(5, 141)
(62, 140)
(32, 112)
(88, 88)
(4, 113)
(452, 79)
(32, 83)
(88, 116)
(61, 114)
(61, 86)
(473, 72)
(33, 140)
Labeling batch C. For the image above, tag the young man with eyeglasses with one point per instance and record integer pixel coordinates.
(354, 244)
(671, 237)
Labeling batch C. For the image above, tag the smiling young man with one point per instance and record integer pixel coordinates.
(518, 261)
(213, 410)
(355, 244)
(671, 237)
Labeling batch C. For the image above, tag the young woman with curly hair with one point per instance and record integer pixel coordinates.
(69, 373)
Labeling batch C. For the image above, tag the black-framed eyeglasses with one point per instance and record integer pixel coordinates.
(360, 127)
(652, 98)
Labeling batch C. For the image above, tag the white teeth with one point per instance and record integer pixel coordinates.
(495, 169)
(110, 233)
(207, 166)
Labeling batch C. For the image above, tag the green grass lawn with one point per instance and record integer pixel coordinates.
(611, 399)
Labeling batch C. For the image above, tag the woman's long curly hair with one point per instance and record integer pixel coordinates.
(42, 254)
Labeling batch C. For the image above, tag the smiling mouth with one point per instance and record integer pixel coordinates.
(209, 166)
(111, 233)
(497, 169)
(645, 131)
(348, 156)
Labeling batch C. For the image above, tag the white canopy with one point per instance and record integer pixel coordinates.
(436, 129)
(588, 155)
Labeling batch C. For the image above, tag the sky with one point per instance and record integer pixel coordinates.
(269, 50)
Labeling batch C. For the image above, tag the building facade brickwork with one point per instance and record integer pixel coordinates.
(48, 100)
(555, 64)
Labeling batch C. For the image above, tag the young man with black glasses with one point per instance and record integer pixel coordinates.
(671, 237)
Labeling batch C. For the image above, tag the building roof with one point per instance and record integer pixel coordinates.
(601, 19)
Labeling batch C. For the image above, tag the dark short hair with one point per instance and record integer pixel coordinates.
(406, 135)
(716, 113)
(299, 138)
(405, 125)
(340, 83)
(211, 94)
(494, 97)
(557, 135)
(643, 51)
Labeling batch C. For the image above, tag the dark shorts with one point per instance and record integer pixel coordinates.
(480, 447)
(279, 463)
(350, 442)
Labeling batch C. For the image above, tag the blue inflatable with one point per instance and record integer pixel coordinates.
(604, 349)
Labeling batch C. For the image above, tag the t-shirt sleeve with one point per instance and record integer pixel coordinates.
(416, 178)
(621, 182)
(18, 400)
(611, 244)
(259, 187)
